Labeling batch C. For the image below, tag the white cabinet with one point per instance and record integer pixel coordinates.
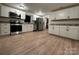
(22, 15)
(73, 32)
(27, 27)
(67, 13)
(30, 27)
(13, 10)
(63, 31)
(56, 29)
(73, 12)
(5, 11)
(50, 29)
(4, 28)
(62, 14)
(24, 27)
(69, 31)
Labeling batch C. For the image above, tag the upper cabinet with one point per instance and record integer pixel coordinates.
(66, 13)
(23, 15)
(73, 12)
(5, 11)
(53, 16)
(62, 14)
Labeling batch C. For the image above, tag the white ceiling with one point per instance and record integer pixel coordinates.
(44, 7)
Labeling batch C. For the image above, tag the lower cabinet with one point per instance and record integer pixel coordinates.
(65, 31)
(30, 27)
(4, 28)
(50, 29)
(27, 27)
(73, 32)
(24, 27)
(56, 29)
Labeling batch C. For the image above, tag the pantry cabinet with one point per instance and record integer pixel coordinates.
(4, 28)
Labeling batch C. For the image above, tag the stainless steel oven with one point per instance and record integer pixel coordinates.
(15, 27)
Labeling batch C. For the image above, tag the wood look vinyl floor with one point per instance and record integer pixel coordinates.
(38, 43)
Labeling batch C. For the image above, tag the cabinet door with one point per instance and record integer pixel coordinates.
(61, 14)
(73, 12)
(5, 11)
(13, 10)
(56, 30)
(73, 32)
(30, 27)
(63, 31)
(24, 28)
(50, 29)
(5, 28)
(22, 15)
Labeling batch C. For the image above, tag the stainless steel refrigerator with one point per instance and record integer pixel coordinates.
(38, 24)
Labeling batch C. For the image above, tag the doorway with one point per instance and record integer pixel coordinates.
(47, 21)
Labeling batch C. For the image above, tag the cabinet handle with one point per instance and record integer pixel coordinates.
(68, 17)
(53, 27)
(67, 29)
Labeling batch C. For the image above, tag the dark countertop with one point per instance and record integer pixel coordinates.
(66, 24)
(10, 18)
(3, 20)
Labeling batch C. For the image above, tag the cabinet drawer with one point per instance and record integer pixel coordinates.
(73, 32)
(5, 32)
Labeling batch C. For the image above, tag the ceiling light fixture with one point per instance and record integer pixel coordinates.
(40, 13)
(22, 6)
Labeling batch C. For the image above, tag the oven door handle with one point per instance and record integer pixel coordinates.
(15, 24)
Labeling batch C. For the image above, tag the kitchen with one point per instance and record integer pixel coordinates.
(34, 32)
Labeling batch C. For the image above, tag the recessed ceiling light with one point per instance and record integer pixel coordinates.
(22, 6)
(39, 13)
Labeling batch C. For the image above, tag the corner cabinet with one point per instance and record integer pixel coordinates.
(4, 28)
